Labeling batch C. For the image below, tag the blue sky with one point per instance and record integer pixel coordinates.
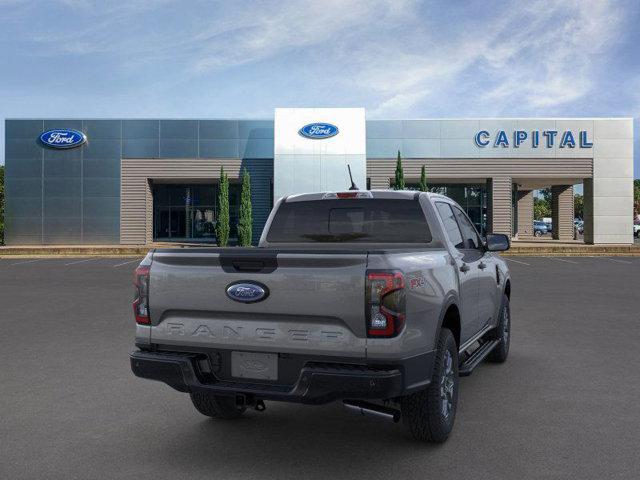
(399, 59)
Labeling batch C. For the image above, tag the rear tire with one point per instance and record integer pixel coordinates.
(216, 406)
(502, 332)
(430, 414)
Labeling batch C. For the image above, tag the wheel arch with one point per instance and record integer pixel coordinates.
(450, 318)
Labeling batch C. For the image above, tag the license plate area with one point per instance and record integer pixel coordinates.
(258, 366)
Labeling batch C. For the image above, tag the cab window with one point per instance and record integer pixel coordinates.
(450, 224)
(469, 234)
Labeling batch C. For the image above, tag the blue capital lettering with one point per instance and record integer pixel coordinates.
(550, 134)
(501, 139)
(567, 140)
(482, 138)
(535, 139)
(519, 136)
(584, 140)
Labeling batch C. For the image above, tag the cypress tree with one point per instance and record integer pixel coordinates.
(423, 180)
(222, 226)
(399, 184)
(244, 220)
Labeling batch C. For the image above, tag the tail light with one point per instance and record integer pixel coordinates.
(141, 300)
(385, 298)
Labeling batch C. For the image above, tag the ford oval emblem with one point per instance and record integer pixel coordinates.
(62, 138)
(319, 130)
(247, 292)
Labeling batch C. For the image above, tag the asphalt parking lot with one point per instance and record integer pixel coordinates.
(565, 405)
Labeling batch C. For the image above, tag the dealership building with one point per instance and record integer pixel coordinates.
(140, 181)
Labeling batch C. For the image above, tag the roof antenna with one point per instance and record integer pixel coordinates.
(353, 185)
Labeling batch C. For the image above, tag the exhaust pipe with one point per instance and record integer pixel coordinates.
(366, 408)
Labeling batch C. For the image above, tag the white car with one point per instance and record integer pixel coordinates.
(636, 229)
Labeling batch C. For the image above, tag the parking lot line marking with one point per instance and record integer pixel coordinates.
(126, 263)
(516, 261)
(618, 261)
(27, 261)
(562, 260)
(79, 261)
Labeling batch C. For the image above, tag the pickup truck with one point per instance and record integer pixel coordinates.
(378, 299)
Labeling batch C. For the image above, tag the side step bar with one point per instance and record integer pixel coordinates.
(465, 369)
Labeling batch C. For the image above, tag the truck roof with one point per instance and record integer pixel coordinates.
(388, 194)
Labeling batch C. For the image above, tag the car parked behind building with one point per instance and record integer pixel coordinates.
(539, 228)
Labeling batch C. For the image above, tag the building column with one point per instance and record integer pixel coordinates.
(587, 185)
(562, 211)
(499, 205)
(524, 229)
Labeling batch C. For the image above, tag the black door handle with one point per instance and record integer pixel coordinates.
(464, 268)
(482, 266)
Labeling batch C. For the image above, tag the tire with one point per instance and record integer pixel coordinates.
(537, 233)
(216, 406)
(425, 413)
(502, 332)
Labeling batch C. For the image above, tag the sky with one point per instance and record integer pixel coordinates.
(242, 59)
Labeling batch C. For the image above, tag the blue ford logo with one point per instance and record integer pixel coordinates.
(318, 130)
(62, 138)
(247, 292)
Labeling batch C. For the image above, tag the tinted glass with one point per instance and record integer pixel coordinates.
(350, 220)
(450, 224)
(469, 235)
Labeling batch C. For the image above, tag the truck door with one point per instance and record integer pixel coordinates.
(487, 285)
(467, 258)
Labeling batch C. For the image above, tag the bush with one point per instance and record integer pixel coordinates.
(244, 219)
(222, 226)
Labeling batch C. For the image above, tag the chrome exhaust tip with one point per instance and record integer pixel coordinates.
(372, 409)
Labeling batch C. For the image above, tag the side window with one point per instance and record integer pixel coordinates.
(469, 234)
(450, 224)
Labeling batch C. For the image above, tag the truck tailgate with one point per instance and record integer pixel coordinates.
(315, 302)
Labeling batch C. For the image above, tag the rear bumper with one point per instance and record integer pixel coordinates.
(317, 383)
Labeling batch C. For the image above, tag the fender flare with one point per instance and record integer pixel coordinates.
(449, 299)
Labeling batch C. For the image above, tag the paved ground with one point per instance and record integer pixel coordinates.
(565, 405)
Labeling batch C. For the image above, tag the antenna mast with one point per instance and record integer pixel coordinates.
(353, 185)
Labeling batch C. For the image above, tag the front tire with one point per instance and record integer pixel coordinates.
(429, 414)
(502, 332)
(216, 406)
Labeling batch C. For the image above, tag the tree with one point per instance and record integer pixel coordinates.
(244, 220)
(542, 204)
(541, 208)
(222, 227)
(578, 206)
(1, 204)
(423, 180)
(399, 183)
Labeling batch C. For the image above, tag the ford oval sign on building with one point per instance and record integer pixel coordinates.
(319, 131)
(62, 138)
(247, 292)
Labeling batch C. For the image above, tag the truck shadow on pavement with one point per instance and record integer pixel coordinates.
(288, 440)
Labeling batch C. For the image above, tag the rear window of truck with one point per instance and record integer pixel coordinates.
(350, 220)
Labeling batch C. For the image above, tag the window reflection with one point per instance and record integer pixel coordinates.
(187, 212)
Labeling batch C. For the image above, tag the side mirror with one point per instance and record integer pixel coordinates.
(497, 242)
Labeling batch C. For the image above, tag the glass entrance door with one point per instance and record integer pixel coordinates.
(184, 212)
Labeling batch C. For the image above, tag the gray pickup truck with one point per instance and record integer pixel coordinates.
(380, 299)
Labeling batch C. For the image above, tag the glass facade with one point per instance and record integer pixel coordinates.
(188, 212)
(73, 196)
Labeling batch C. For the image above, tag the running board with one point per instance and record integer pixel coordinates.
(476, 357)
